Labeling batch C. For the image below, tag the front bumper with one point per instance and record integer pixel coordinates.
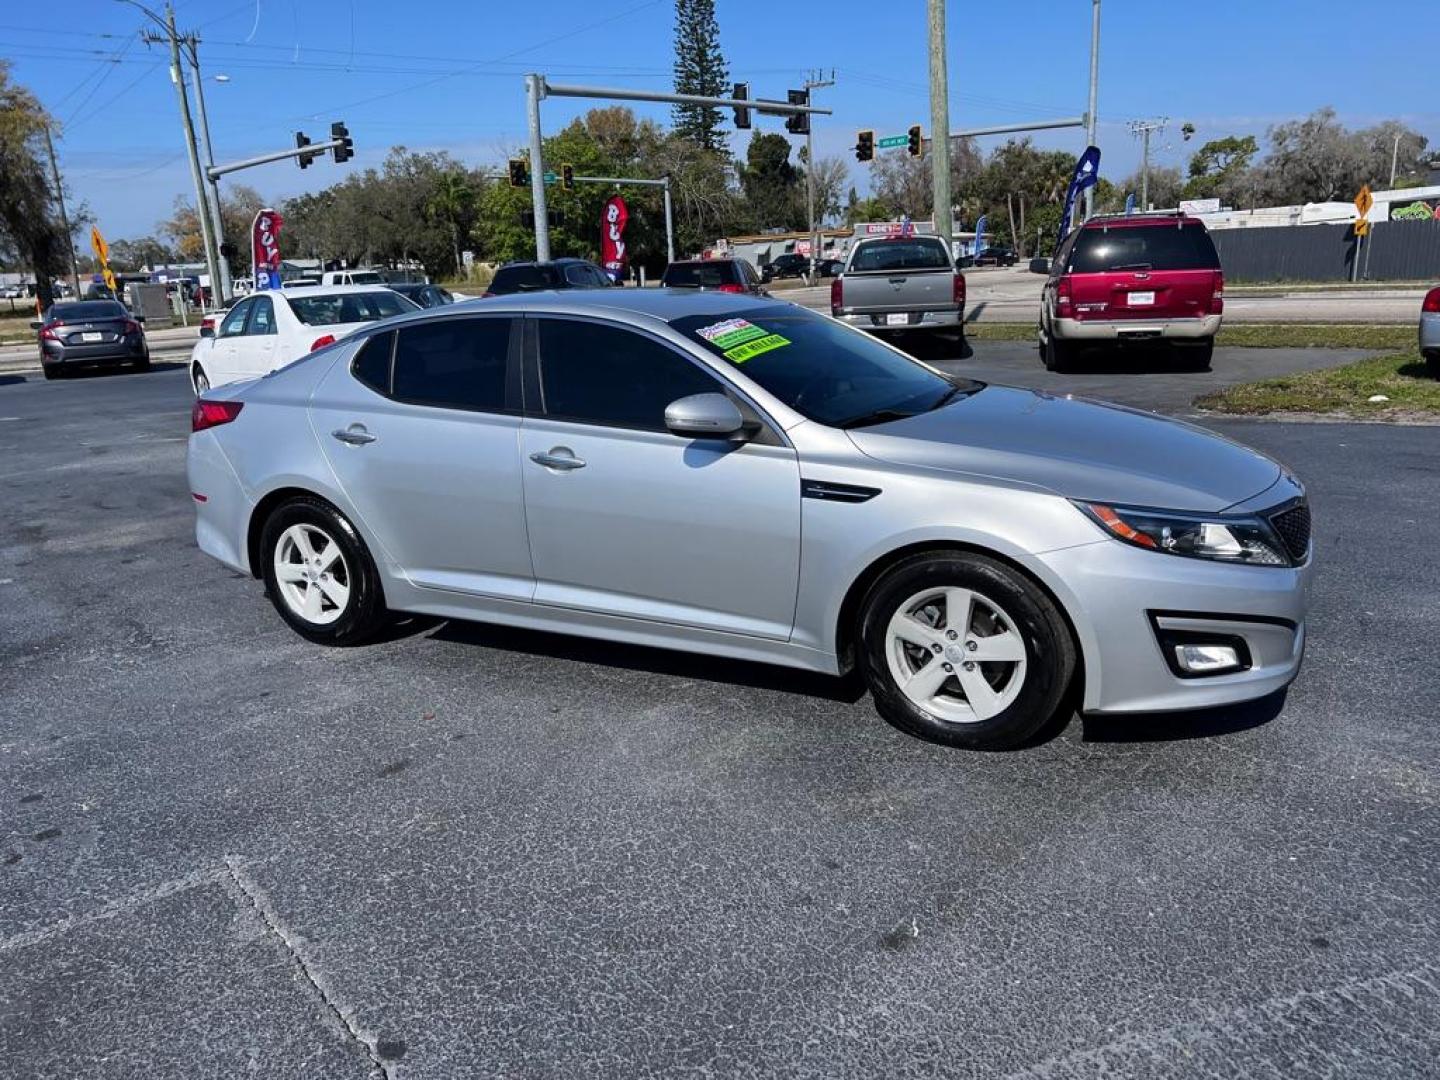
(1121, 600)
(915, 320)
(1120, 329)
(1429, 334)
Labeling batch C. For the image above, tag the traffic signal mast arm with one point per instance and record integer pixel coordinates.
(306, 150)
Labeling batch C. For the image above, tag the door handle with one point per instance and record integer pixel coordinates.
(558, 458)
(353, 436)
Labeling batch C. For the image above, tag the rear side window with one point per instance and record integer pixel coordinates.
(453, 363)
(917, 254)
(605, 375)
(1145, 247)
(523, 278)
(700, 275)
(372, 363)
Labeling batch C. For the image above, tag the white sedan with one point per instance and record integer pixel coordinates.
(270, 329)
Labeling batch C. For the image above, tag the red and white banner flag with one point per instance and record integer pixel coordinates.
(613, 252)
(265, 248)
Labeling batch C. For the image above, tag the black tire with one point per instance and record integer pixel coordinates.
(143, 364)
(1196, 357)
(363, 614)
(53, 371)
(1049, 650)
(1432, 364)
(1059, 355)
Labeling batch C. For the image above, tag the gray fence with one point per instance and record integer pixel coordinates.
(1394, 251)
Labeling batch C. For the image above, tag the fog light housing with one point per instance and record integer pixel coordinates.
(1207, 659)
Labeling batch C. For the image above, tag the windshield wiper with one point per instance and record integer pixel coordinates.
(879, 416)
(1130, 266)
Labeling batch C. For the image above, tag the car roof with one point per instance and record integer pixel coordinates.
(666, 305)
(331, 290)
(1136, 221)
(708, 262)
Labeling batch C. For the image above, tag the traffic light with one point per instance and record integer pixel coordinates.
(865, 146)
(917, 143)
(301, 141)
(799, 123)
(346, 150)
(567, 177)
(742, 115)
(519, 173)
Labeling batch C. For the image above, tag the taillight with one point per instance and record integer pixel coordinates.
(1217, 295)
(1062, 296)
(959, 289)
(1431, 306)
(837, 295)
(130, 327)
(208, 414)
(48, 334)
(321, 341)
(730, 287)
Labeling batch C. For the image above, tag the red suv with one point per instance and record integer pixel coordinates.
(1137, 278)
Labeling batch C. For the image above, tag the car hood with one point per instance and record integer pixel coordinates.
(1076, 448)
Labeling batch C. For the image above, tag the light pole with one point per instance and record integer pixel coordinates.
(940, 121)
(1090, 118)
(217, 222)
(172, 37)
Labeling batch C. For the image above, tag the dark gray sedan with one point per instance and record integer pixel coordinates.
(91, 332)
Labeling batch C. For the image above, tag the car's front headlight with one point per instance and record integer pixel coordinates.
(1244, 539)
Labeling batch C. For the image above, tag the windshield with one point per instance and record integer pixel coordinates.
(340, 308)
(91, 309)
(820, 368)
(914, 254)
(363, 277)
(1144, 247)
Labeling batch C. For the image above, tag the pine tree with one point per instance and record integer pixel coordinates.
(699, 69)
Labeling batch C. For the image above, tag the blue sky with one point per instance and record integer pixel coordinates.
(446, 74)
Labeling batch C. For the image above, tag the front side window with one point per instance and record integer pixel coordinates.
(603, 374)
(453, 363)
(262, 316)
(234, 323)
(820, 368)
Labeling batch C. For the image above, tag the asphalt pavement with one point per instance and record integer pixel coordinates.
(469, 851)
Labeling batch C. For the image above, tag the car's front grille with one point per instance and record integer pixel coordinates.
(1293, 525)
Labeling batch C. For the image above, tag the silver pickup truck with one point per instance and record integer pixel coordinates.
(898, 284)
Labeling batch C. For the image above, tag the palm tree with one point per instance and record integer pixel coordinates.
(451, 202)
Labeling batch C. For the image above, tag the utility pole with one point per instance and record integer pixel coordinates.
(1144, 128)
(1394, 159)
(534, 88)
(64, 218)
(177, 76)
(940, 122)
(1090, 110)
(217, 221)
(813, 83)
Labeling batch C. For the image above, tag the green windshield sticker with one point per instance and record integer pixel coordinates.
(731, 332)
(750, 349)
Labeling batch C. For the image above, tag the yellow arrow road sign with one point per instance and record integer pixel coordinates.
(1364, 201)
(1362, 227)
(98, 245)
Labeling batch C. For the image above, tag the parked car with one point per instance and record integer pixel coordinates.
(746, 478)
(1430, 331)
(272, 328)
(425, 296)
(12, 292)
(352, 277)
(537, 276)
(721, 275)
(830, 267)
(996, 256)
(90, 333)
(1147, 277)
(785, 266)
(900, 283)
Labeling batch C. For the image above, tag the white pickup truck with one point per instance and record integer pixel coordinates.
(351, 277)
(898, 284)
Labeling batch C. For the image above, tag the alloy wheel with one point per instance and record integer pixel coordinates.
(956, 654)
(312, 574)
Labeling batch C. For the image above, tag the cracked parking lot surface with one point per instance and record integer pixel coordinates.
(474, 851)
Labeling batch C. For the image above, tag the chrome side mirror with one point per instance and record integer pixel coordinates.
(704, 416)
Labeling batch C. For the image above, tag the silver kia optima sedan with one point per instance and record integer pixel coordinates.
(742, 477)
